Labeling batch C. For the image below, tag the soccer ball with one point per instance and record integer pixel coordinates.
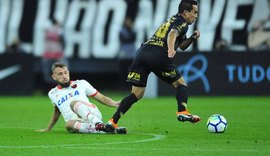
(216, 124)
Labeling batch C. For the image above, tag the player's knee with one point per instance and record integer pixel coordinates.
(179, 82)
(72, 104)
(139, 95)
(138, 92)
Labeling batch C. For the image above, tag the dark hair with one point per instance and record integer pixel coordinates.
(58, 64)
(186, 5)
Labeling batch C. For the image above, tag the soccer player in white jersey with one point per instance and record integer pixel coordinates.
(70, 98)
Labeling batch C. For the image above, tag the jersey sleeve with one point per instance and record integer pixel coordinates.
(180, 27)
(50, 95)
(89, 89)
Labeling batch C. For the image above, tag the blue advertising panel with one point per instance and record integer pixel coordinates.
(223, 73)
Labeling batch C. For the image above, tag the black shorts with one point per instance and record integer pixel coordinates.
(151, 58)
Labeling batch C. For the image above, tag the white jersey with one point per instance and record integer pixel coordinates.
(62, 97)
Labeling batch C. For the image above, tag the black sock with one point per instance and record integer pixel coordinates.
(125, 104)
(181, 96)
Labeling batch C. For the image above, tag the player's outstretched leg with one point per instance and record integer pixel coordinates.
(186, 116)
(125, 105)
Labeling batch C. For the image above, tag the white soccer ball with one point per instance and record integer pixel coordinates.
(216, 124)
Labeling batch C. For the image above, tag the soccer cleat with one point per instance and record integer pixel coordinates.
(186, 116)
(121, 130)
(100, 127)
(111, 126)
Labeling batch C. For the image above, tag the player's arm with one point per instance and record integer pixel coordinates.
(106, 100)
(187, 42)
(55, 116)
(171, 41)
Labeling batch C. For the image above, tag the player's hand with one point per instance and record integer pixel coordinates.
(42, 130)
(117, 104)
(171, 53)
(196, 34)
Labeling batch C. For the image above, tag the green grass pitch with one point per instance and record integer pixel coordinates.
(152, 129)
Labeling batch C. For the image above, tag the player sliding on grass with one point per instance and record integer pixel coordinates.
(156, 55)
(70, 98)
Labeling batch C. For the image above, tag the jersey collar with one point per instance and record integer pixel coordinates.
(60, 87)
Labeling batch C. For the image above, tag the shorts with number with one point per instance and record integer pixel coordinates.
(152, 58)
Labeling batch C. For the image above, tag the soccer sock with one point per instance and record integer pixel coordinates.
(181, 97)
(124, 106)
(85, 113)
(84, 127)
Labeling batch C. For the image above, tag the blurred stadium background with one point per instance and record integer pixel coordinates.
(231, 58)
(221, 62)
